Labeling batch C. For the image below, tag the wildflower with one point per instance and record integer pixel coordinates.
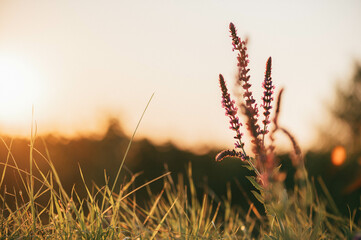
(267, 97)
(243, 78)
(231, 112)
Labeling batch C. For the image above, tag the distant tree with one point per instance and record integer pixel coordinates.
(345, 111)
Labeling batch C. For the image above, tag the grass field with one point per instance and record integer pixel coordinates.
(176, 212)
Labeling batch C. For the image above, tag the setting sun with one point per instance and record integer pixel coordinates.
(19, 90)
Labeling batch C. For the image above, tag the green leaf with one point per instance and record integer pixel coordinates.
(255, 183)
(258, 196)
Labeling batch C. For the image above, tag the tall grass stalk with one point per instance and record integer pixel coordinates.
(130, 143)
(31, 187)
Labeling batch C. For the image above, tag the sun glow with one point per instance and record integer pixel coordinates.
(19, 91)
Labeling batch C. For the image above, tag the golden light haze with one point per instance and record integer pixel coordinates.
(77, 62)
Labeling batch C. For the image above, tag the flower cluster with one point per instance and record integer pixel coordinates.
(263, 164)
(267, 178)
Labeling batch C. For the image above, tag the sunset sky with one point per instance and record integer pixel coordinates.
(80, 62)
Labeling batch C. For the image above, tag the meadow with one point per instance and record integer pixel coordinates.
(43, 208)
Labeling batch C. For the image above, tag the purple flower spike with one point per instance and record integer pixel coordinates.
(243, 78)
(235, 39)
(231, 112)
(229, 153)
(267, 96)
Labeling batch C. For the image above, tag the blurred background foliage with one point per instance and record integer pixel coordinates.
(336, 156)
(345, 115)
